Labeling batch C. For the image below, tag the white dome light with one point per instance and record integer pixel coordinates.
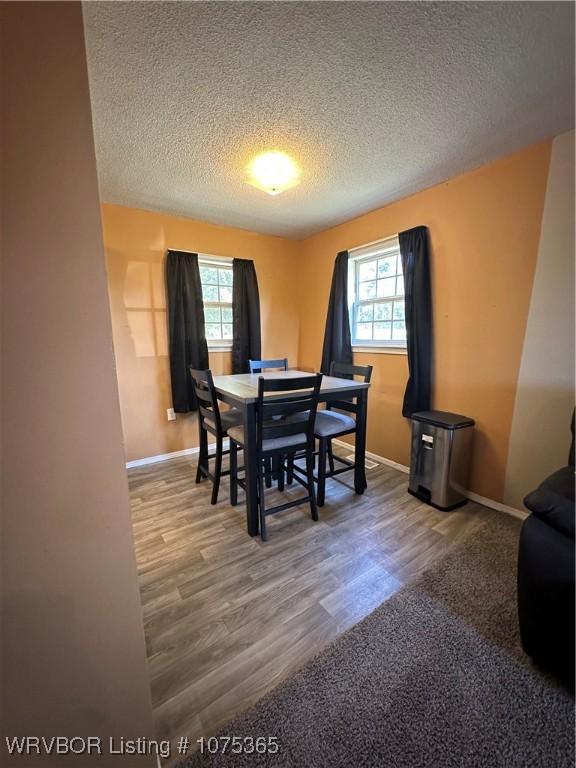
(273, 172)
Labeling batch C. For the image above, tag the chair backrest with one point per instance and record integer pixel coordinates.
(295, 395)
(348, 371)
(207, 398)
(257, 366)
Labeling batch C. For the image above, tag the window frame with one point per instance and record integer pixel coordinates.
(218, 262)
(357, 257)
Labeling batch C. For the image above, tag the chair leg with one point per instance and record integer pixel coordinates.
(330, 457)
(262, 506)
(290, 469)
(322, 448)
(268, 472)
(202, 454)
(233, 474)
(280, 472)
(310, 481)
(217, 471)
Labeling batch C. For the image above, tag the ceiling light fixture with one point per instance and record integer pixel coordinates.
(273, 172)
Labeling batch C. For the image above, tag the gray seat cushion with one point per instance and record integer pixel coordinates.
(289, 442)
(230, 418)
(329, 423)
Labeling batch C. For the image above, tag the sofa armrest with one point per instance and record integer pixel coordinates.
(553, 501)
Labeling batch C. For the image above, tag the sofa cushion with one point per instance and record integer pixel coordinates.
(553, 501)
(571, 454)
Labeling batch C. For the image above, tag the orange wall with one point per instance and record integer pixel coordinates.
(136, 242)
(484, 228)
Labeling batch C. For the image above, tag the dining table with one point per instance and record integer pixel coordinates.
(241, 391)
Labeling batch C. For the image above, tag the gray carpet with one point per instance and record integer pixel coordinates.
(433, 677)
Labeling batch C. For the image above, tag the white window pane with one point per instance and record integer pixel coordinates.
(213, 331)
(226, 314)
(399, 310)
(367, 271)
(226, 331)
(212, 314)
(387, 266)
(399, 331)
(367, 290)
(387, 287)
(364, 331)
(210, 292)
(399, 286)
(209, 275)
(382, 331)
(383, 310)
(226, 294)
(365, 313)
(225, 276)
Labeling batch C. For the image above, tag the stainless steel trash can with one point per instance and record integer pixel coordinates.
(440, 460)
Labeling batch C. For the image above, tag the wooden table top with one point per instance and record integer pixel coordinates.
(244, 386)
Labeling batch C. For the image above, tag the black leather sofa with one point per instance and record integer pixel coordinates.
(546, 573)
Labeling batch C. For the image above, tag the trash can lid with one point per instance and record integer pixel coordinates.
(443, 419)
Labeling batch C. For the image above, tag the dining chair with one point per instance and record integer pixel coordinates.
(278, 437)
(330, 424)
(257, 366)
(211, 420)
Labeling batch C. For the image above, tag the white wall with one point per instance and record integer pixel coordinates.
(540, 435)
(73, 652)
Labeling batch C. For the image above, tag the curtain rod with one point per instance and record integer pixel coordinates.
(204, 255)
(374, 242)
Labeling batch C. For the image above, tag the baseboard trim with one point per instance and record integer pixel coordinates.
(484, 500)
(376, 457)
(167, 456)
(497, 505)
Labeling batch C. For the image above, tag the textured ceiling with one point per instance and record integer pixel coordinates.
(373, 100)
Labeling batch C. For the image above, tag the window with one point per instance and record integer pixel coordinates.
(216, 279)
(376, 300)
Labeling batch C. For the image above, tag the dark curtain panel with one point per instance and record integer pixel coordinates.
(337, 339)
(186, 335)
(246, 344)
(418, 301)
